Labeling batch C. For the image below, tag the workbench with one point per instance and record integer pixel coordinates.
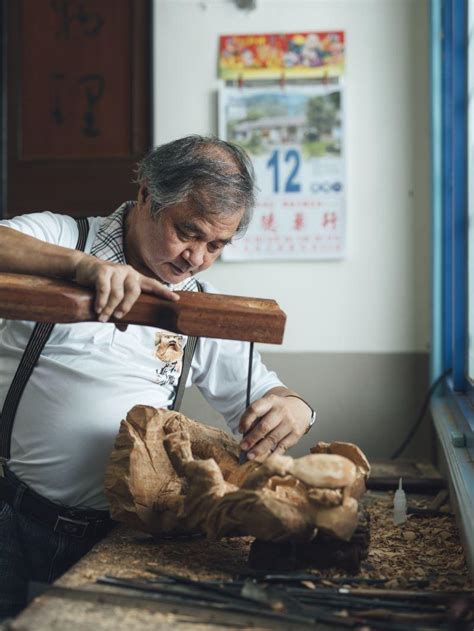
(76, 601)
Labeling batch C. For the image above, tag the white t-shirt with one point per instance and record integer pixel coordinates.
(90, 374)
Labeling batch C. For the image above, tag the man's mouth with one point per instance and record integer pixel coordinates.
(177, 269)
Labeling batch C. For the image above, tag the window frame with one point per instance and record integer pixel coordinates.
(450, 301)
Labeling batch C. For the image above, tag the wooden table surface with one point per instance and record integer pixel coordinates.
(75, 601)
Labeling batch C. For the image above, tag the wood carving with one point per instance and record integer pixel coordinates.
(170, 475)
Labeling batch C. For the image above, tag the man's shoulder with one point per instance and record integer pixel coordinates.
(46, 217)
(52, 227)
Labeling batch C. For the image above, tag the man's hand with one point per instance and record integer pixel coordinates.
(273, 423)
(117, 286)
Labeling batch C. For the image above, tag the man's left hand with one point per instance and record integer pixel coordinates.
(273, 423)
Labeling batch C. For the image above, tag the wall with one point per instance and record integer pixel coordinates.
(358, 330)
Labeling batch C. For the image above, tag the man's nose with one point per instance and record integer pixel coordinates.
(194, 254)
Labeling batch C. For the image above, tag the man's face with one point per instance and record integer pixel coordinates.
(178, 242)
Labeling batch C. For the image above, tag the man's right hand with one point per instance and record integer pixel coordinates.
(117, 286)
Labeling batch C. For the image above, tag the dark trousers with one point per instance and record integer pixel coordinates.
(31, 551)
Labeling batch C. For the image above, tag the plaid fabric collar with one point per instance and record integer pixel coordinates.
(108, 244)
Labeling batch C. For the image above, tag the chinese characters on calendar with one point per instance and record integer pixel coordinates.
(294, 134)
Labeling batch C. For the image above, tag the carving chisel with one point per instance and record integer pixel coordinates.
(243, 454)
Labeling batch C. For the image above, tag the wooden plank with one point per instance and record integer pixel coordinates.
(39, 299)
(416, 477)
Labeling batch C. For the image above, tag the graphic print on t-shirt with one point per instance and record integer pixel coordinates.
(169, 351)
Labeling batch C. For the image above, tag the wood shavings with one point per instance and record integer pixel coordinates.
(128, 553)
(309, 584)
(432, 560)
(409, 535)
(423, 548)
(423, 553)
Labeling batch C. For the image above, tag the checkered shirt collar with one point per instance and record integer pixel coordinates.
(108, 243)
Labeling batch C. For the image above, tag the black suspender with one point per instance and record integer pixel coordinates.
(187, 359)
(33, 350)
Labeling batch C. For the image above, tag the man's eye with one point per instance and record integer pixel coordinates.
(214, 247)
(184, 236)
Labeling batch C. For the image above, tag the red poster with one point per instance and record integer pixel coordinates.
(292, 55)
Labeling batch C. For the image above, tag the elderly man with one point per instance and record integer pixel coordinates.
(195, 194)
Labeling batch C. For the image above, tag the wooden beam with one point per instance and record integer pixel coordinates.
(40, 299)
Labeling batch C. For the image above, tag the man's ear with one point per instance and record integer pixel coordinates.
(143, 193)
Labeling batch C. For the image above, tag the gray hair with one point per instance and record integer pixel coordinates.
(216, 175)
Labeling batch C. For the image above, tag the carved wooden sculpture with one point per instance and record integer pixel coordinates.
(170, 475)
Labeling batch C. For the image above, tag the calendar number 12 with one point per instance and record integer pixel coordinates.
(292, 157)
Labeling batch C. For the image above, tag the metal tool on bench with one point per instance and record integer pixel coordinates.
(394, 610)
(199, 314)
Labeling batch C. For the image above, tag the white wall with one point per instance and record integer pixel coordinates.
(377, 299)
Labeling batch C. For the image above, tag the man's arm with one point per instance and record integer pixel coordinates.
(117, 286)
(274, 423)
(220, 371)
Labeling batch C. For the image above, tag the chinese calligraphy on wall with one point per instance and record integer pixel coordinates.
(75, 82)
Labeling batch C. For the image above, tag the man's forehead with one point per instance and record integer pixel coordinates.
(190, 217)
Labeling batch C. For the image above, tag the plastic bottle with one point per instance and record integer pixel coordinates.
(399, 505)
